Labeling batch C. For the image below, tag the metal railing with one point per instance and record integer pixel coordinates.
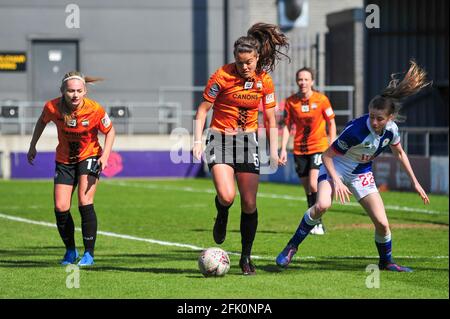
(163, 116)
(139, 118)
(418, 140)
(343, 108)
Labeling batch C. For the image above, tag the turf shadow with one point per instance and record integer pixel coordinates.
(185, 255)
(335, 264)
(142, 269)
(273, 232)
(32, 251)
(26, 264)
(402, 218)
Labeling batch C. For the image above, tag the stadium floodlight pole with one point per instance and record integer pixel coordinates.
(225, 30)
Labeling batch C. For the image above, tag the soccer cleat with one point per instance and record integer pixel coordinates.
(285, 257)
(247, 266)
(220, 228)
(394, 267)
(70, 257)
(86, 260)
(318, 230)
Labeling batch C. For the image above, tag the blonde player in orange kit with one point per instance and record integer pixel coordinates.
(235, 91)
(79, 159)
(310, 111)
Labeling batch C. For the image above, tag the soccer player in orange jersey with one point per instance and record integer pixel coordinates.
(79, 159)
(234, 92)
(310, 111)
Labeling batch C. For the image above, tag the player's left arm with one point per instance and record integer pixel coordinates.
(328, 114)
(109, 140)
(269, 105)
(332, 130)
(400, 154)
(105, 126)
(273, 136)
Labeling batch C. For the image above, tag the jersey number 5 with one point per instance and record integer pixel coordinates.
(255, 159)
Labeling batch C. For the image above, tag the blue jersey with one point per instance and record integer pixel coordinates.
(359, 144)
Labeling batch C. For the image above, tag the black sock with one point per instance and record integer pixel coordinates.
(66, 228)
(311, 199)
(222, 210)
(249, 224)
(88, 227)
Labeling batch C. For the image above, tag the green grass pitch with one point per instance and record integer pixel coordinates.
(152, 230)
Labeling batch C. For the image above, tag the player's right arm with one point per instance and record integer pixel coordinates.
(341, 192)
(38, 129)
(284, 141)
(199, 124)
(286, 133)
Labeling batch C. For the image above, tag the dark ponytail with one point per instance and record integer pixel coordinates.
(266, 40)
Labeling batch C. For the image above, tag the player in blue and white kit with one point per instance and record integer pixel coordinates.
(347, 167)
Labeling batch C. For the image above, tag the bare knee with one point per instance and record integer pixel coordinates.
(85, 201)
(382, 228)
(226, 199)
(62, 206)
(248, 205)
(85, 198)
(322, 206)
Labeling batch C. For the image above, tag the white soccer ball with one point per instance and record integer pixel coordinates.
(214, 262)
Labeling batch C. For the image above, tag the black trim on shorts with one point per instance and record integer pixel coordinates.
(68, 174)
(233, 157)
(305, 163)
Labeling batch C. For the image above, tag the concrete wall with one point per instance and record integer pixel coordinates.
(345, 53)
(137, 46)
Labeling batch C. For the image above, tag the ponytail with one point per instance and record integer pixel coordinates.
(390, 98)
(266, 40)
(413, 82)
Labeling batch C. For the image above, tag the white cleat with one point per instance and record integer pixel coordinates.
(318, 230)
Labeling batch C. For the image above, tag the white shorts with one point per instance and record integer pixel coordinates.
(360, 185)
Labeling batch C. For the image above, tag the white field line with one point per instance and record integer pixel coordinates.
(167, 243)
(273, 196)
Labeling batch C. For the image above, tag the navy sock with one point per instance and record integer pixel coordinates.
(88, 227)
(249, 224)
(66, 228)
(306, 224)
(384, 247)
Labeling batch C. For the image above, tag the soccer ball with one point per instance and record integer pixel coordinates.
(214, 262)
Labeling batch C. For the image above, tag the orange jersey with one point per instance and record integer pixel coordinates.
(310, 117)
(236, 100)
(78, 137)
